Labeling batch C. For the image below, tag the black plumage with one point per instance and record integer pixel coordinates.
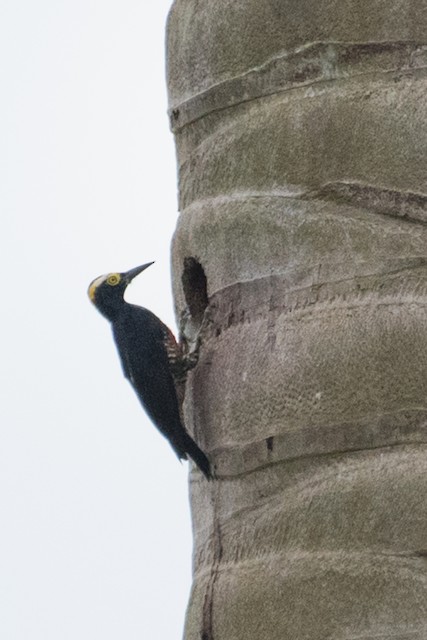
(149, 353)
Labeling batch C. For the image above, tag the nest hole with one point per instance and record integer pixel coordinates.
(195, 287)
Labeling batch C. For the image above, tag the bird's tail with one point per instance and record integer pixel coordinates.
(197, 455)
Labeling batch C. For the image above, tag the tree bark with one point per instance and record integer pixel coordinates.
(301, 256)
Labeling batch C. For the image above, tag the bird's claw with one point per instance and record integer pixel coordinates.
(190, 356)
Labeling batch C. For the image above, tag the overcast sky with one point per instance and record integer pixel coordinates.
(95, 537)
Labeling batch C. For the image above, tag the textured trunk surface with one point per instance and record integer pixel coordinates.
(301, 132)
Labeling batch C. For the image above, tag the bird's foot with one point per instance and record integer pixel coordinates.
(190, 355)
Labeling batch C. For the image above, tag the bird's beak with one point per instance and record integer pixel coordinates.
(130, 275)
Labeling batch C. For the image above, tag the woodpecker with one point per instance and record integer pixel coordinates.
(150, 358)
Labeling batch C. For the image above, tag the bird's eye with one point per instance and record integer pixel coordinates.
(113, 279)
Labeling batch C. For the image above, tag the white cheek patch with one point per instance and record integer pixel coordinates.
(94, 285)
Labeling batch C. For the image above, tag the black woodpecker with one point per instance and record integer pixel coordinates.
(149, 354)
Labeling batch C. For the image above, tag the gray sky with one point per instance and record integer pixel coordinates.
(95, 537)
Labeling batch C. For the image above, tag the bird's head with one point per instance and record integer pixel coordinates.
(106, 292)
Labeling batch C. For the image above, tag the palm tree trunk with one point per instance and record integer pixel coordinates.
(301, 255)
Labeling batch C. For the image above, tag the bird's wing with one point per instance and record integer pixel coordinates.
(124, 355)
(143, 343)
(149, 351)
